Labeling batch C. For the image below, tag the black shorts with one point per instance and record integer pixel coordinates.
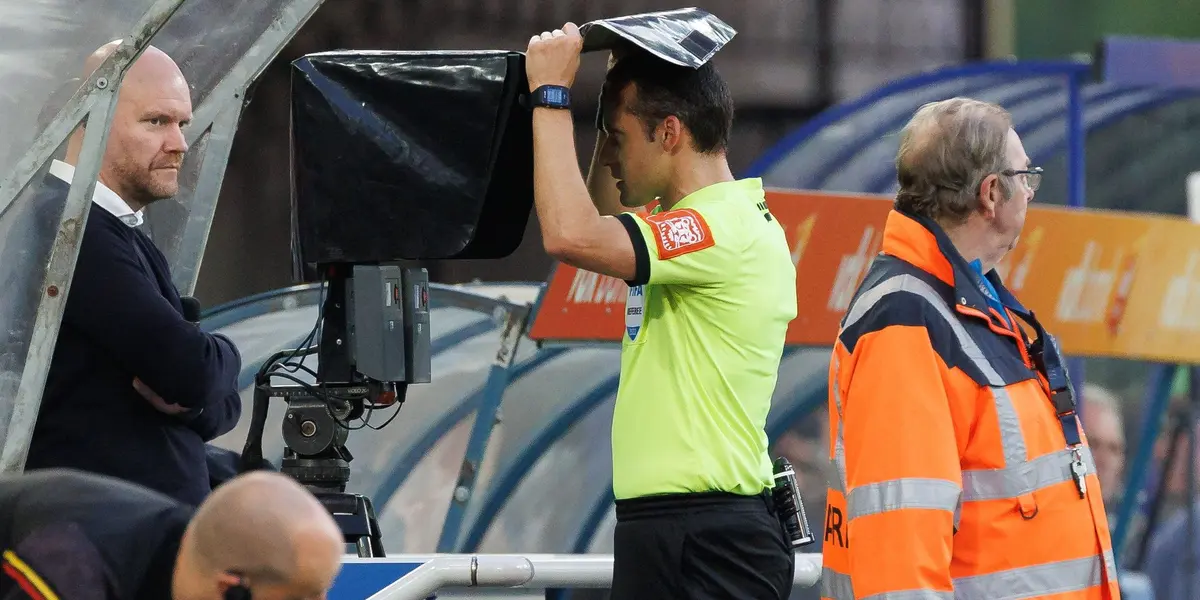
(699, 547)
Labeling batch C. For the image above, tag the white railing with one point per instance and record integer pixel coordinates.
(532, 571)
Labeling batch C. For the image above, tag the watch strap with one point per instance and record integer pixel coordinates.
(551, 96)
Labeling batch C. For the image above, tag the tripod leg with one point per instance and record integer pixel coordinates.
(363, 546)
(374, 537)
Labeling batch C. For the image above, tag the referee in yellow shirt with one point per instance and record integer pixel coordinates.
(712, 290)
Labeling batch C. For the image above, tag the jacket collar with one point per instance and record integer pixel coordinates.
(922, 243)
(103, 196)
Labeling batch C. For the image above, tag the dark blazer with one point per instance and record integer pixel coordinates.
(123, 319)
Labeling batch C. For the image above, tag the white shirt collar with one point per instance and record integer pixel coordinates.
(103, 196)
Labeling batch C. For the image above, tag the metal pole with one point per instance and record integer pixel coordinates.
(458, 571)
(100, 106)
(256, 58)
(222, 109)
(1076, 180)
(1189, 504)
(111, 71)
(481, 430)
(530, 571)
(1158, 396)
(189, 253)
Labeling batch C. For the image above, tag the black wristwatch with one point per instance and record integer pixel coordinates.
(551, 96)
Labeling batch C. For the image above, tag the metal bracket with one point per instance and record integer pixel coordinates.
(514, 318)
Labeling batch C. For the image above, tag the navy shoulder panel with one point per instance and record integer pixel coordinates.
(896, 293)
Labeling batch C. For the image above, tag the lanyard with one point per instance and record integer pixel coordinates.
(1048, 359)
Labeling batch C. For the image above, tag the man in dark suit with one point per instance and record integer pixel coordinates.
(134, 389)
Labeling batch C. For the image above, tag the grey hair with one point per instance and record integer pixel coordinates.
(946, 151)
(1096, 395)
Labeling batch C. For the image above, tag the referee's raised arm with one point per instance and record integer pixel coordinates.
(712, 289)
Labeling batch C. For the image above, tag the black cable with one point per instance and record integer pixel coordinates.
(298, 367)
(401, 395)
(269, 364)
(321, 299)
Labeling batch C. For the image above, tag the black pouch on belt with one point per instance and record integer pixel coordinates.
(789, 506)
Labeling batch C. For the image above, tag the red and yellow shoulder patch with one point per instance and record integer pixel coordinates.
(680, 231)
(30, 582)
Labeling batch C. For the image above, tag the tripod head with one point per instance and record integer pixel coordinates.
(373, 342)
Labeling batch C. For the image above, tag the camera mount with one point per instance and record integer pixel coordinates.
(373, 342)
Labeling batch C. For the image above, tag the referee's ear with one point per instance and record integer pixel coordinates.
(673, 134)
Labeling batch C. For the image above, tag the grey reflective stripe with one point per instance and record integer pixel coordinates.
(1034, 581)
(1010, 482)
(899, 494)
(1110, 566)
(912, 285)
(836, 585)
(913, 595)
(1011, 438)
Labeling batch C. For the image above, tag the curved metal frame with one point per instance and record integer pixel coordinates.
(519, 467)
(839, 112)
(403, 467)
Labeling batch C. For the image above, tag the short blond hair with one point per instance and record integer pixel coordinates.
(946, 150)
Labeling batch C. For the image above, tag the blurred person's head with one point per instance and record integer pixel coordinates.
(1176, 485)
(1104, 426)
(663, 123)
(262, 531)
(146, 145)
(959, 164)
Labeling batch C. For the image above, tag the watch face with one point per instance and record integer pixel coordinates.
(555, 95)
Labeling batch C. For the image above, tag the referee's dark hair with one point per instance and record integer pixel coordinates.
(699, 98)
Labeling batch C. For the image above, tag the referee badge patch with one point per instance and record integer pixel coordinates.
(680, 231)
(635, 305)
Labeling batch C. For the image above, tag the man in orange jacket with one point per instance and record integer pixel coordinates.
(961, 470)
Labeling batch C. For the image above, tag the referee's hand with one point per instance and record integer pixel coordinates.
(553, 57)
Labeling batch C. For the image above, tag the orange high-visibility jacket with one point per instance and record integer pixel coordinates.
(953, 471)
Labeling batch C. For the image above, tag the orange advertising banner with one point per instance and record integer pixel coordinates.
(1105, 283)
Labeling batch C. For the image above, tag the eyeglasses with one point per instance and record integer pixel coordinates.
(1032, 175)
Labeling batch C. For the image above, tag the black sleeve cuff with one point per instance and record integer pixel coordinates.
(641, 253)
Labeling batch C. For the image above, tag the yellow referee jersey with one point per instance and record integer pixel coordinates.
(705, 322)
